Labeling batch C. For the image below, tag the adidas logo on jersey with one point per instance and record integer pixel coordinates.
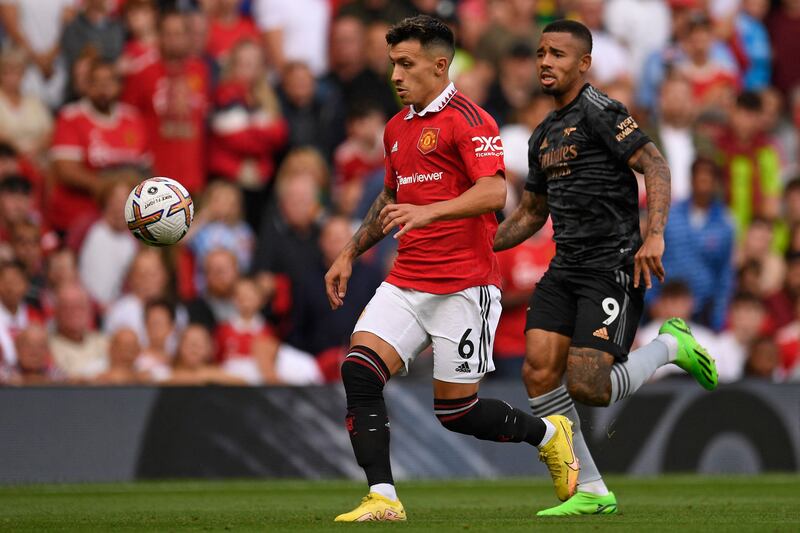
(394, 147)
(602, 333)
(463, 367)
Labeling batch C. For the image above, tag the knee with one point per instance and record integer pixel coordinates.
(587, 393)
(546, 377)
(363, 382)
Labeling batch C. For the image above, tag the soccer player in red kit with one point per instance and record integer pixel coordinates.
(444, 181)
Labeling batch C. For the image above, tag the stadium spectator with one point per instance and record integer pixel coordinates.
(98, 142)
(16, 313)
(77, 347)
(193, 364)
(16, 205)
(93, 27)
(287, 241)
(746, 323)
(315, 117)
(514, 84)
(227, 27)
(157, 356)
(784, 31)
(26, 243)
(349, 72)
(384, 12)
(674, 300)
(294, 31)
(219, 225)
(62, 269)
(147, 281)
(521, 268)
(611, 61)
(34, 366)
(360, 155)
(699, 245)
(141, 49)
(36, 28)
(780, 305)
(247, 128)
(25, 121)
(673, 132)
(752, 165)
(623, 18)
(511, 21)
(377, 60)
(123, 349)
(750, 44)
(108, 249)
(215, 303)
(763, 360)
(173, 96)
(316, 328)
(756, 247)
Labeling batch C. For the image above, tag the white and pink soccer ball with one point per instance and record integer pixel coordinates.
(159, 211)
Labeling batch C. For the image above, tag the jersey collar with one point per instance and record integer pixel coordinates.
(437, 105)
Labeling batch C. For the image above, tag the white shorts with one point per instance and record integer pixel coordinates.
(460, 326)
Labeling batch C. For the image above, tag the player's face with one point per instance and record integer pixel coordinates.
(561, 60)
(416, 72)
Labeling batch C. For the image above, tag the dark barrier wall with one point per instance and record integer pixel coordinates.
(106, 434)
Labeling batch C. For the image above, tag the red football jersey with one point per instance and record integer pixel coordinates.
(235, 338)
(174, 102)
(432, 156)
(101, 143)
(223, 37)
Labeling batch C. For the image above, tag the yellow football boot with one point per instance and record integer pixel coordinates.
(374, 507)
(559, 456)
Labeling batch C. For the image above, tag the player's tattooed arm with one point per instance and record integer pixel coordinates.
(371, 230)
(648, 160)
(528, 218)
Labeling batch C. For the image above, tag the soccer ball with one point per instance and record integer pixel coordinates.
(159, 211)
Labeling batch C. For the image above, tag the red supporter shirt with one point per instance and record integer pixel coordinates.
(174, 102)
(433, 156)
(235, 338)
(223, 37)
(101, 143)
(521, 267)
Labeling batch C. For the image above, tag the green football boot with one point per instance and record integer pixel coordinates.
(583, 503)
(692, 357)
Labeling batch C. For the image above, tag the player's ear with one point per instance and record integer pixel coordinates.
(584, 63)
(441, 65)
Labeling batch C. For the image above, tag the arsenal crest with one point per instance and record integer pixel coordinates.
(428, 139)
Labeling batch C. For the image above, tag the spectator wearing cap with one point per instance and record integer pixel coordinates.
(514, 84)
(107, 250)
(98, 142)
(699, 244)
(36, 28)
(25, 121)
(94, 27)
(172, 96)
(751, 164)
(77, 348)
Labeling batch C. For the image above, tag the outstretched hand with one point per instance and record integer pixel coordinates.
(336, 280)
(648, 261)
(408, 216)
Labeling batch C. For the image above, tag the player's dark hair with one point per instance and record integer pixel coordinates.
(675, 289)
(574, 28)
(429, 31)
(750, 101)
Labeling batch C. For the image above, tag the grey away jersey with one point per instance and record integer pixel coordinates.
(578, 157)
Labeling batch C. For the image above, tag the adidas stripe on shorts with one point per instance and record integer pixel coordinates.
(460, 327)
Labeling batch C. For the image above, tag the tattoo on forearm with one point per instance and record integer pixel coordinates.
(371, 230)
(527, 219)
(651, 163)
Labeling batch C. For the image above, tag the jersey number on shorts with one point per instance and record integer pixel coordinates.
(611, 308)
(465, 346)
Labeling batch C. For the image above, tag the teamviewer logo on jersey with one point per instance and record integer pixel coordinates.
(486, 146)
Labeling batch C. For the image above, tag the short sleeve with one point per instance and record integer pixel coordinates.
(616, 128)
(67, 142)
(389, 176)
(481, 149)
(537, 180)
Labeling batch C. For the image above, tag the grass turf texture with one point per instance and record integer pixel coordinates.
(671, 503)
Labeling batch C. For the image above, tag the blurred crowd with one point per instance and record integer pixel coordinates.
(271, 113)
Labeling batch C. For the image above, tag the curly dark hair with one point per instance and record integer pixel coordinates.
(429, 31)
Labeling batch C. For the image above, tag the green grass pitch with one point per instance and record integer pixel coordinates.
(683, 503)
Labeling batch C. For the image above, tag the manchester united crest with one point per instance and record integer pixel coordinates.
(428, 140)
